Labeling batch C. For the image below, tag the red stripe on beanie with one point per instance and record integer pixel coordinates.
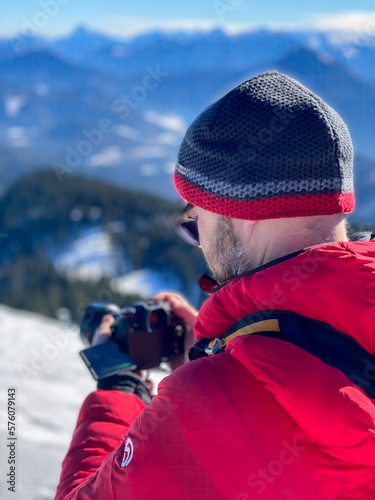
(271, 208)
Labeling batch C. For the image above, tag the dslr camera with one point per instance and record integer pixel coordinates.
(143, 335)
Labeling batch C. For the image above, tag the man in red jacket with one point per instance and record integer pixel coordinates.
(278, 400)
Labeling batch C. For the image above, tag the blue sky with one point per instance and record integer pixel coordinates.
(129, 16)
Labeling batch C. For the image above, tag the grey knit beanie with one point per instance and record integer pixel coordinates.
(270, 148)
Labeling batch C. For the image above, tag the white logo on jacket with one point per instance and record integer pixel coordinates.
(128, 453)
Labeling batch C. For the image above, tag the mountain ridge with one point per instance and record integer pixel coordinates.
(47, 114)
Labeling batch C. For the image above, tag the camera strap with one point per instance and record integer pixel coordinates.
(331, 346)
(205, 347)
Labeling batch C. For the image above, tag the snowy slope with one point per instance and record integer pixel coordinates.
(146, 282)
(90, 256)
(40, 358)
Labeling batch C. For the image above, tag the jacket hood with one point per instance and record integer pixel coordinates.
(334, 284)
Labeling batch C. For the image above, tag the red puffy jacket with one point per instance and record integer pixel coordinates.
(264, 420)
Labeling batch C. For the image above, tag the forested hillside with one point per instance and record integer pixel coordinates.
(40, 216)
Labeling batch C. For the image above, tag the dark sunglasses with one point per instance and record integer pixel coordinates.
(187, 228)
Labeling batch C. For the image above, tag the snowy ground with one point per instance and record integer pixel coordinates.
(92, 256)
(146, 282)
(40, 358)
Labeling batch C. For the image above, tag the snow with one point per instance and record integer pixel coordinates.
(118, 51)
(109, 156)
(146, 282)
(21, 137)
(168, 121)
(13, 104)
(149, 152)
(116, 226)
(169, 167)
(18, 137)
(41, 89)
(347, 22)
(147, 169)
(40, 358)
(90, 256)
(128, 132)
(167, 138)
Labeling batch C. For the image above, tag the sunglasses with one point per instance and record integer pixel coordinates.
(187, 228)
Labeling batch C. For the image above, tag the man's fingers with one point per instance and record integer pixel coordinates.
(184, 310)
(103, 333)
(180, 306)
(166, 297)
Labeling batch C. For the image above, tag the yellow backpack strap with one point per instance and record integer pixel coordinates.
(219, 344)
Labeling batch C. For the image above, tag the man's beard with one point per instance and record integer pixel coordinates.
(224, 254)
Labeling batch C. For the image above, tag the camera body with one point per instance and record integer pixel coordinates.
(146, 333)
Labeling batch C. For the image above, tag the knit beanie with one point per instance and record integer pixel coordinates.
(270, 148)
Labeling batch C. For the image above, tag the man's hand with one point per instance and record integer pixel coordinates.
(130, 382)
(182, 309)
(103, 333)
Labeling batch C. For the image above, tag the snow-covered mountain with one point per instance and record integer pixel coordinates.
(116, 109)
(39, 357)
